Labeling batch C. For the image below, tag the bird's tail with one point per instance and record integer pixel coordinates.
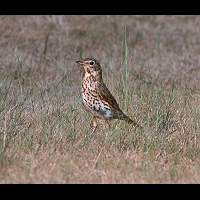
(134, 123)
(128, 120)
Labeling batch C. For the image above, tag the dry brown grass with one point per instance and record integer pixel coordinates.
(151, 65)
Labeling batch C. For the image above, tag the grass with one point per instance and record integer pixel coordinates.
(150, 63)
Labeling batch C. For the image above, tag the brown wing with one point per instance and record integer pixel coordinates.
(107, 96)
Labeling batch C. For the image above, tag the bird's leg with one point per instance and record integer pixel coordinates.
(93, 124)
(108, 123)
(109, 126)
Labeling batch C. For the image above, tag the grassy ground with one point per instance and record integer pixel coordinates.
(151, 65)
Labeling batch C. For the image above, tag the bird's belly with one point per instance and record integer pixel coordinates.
(106, 112)
(97, 107)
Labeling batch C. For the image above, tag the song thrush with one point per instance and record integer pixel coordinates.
(96, 97)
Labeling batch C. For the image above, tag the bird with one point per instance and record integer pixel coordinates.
(96, 97)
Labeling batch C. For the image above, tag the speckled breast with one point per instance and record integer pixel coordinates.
(93, 103)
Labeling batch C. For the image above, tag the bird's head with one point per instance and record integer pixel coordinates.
(91, 67)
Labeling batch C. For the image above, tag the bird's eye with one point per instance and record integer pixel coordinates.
(91, 62)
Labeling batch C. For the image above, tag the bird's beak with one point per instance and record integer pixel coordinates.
(80, 62)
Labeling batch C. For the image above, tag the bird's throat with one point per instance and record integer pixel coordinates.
(95, 76)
